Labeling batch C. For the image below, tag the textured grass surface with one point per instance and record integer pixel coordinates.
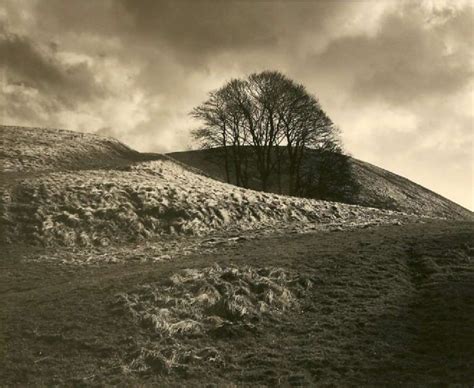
(212, 302)
(25, 150)
(97, 207)
(211, 284)
(388, 306)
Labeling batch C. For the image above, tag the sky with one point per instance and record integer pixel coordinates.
(395, 76)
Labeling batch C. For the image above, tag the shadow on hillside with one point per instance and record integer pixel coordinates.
(323, 175)
(431, 341)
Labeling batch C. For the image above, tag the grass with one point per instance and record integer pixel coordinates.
(213, 301)
(38, 149)
(102, 207)
(107, 279)
(62, 188)
(387, 306)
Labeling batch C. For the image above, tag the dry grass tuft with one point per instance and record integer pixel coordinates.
(167, 359)
(213, 301)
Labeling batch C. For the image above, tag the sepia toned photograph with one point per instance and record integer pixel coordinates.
(237, 193)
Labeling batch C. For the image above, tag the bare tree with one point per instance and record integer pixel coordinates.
(215, 132)
(255, 117)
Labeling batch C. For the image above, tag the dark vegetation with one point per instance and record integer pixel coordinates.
(325, 175)
(358, 183)
(266, 132)
(265, 125)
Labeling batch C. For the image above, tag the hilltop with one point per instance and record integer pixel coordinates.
(26, 149)
(376, 187)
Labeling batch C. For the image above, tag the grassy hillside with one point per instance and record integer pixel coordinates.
(78, 189)
(121, 268)
(37, 149)
(376, 187)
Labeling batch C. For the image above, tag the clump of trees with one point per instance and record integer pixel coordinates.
(265, 125)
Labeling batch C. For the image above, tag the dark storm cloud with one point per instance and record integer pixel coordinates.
(202, 27)
(27, 66)
(207, 27)
(103, 17)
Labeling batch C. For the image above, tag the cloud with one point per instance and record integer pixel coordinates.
(403, 95)
(32, 68)
(396, 76)
(404, 61)
(36, 85)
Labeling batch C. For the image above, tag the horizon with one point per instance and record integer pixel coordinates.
(396, 77)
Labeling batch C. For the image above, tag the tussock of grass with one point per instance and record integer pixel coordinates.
(215, 301)
(195, 300)
(166, 359)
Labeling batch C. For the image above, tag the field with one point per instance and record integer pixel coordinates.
(387, 305)
(122, 268)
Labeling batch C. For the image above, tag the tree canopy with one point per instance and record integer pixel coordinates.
(266, 120)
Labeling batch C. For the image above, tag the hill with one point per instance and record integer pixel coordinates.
(42, 150)
(80, 189)
(130, 269)
(375, 187)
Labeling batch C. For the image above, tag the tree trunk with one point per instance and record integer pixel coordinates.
(279, 170)
(236, 166)
(226, 164)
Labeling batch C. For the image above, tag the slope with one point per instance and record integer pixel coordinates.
(38, 149)
(376, 187)
(366, 297)
(86, 190)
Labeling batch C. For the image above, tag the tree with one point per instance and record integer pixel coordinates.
(256, 118)
(222, 116)
(327, 174)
